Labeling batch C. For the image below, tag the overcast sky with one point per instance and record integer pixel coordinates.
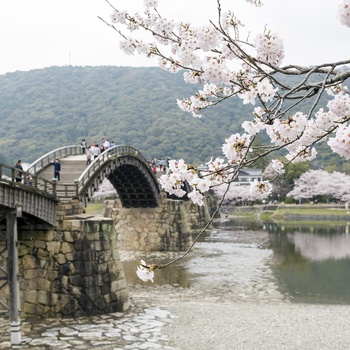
(42, 33)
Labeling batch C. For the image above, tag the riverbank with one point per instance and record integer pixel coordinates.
(173, 318)
(242, 309)
(204, 324)
(278, 212)
(232, 303)
(282, 212)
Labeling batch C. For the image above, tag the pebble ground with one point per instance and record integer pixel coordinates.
(135, 329)
(243, 315)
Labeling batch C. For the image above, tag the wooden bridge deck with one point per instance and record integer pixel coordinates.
(71, 169)
(124, 166)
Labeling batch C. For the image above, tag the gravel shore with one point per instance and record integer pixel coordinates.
(228, 326)
(242, 309)
(200, 323)
(175, 318)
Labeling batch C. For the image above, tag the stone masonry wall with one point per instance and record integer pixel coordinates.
(73, 269)
(199, 216)
(168, 227)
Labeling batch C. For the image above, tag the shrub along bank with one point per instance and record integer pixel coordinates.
(293, 212)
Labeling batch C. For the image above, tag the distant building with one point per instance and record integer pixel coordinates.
(245, 175)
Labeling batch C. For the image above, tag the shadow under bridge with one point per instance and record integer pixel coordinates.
(129, 173)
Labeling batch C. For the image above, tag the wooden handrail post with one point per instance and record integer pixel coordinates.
(54, 187)
(76, 183)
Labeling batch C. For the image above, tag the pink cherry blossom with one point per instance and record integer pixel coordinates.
(341, 142)
(145, 272)
(227, 66)
(321, 183)
(255, 2)
(236, 147)
(196, 197)
(270, 48)
(260, 189)
(344, 13)
(278, 166)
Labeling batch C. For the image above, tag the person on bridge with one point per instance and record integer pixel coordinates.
(106, 144)
(95, 151)
(88, 154)
(83, 146)
(28, 180)
(57, 169)
(19, 173)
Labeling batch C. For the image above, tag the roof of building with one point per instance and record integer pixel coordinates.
(250, 172)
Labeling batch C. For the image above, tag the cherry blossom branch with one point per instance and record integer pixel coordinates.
(227, 67)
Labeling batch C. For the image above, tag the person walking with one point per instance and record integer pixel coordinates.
(57, 169)
(19, 171)
(106, 145)
(83, 146)
(154, 168)
(28, 180)
(88, 156)
(95, 151)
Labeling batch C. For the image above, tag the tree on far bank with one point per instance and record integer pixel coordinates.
(284, 182)
(320, 183)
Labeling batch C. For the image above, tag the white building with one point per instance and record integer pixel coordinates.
(246, 175)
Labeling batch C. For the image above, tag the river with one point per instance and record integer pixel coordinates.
(302, 263)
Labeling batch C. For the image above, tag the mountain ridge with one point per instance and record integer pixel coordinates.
(45, 109)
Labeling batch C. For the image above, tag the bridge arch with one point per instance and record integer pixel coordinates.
(129, 173)
(124, 166)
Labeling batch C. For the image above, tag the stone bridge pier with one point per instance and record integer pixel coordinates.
(72, 269)
(68, 261)
(168, 227)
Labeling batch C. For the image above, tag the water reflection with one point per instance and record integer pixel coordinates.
(317, 247)
(305, 263)
(312, 263)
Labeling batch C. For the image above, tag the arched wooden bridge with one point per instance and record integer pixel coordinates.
(124, 166)
(39, 194)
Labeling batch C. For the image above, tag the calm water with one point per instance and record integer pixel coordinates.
(304, 263)
(312, 263)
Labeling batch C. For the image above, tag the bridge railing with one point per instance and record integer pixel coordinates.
(48, 158)
(67, 190)
(98, 163)
(8, 174)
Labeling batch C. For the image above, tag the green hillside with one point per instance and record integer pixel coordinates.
(49, 108)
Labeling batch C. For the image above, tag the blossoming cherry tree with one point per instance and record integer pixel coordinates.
(226, 66)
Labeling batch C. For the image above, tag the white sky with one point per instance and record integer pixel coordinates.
(42, 33)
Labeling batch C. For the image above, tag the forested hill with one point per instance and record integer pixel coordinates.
(44, 109)
(48, 108)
